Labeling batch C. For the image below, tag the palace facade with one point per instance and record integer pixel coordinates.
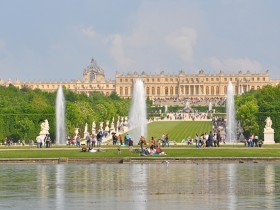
(163, 85)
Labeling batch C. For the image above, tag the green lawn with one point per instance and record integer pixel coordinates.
(174, 151)
(178, 130)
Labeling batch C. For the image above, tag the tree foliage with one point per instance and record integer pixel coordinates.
(23, 110)
(255, 106)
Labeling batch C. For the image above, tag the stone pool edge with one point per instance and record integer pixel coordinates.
(139, 160)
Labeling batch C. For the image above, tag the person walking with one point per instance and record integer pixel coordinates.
(120, 138)
(93, 140)
(197, 140)
(78, 141)
(39, 142)
(48, 141)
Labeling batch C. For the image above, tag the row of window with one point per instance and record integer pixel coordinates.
(67, 86)
(217, 79)
(188, 90)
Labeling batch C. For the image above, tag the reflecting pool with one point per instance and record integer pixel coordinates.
(140, 186)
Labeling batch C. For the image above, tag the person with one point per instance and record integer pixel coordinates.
(99, 138)
(88, 140)
(130, 144)
(115, 139)
(120, 138)
(93, 140)
(39, 142)
(78, 141)
(141, 142)
(126, 139)
(215, 139)
(68, 141)
(219, 138)
(210, 139)
(84, 148)
(189, 141)
(256, 139)
(48, 141)
(166, 140)
(163, 140)
(202, 144)
(197, 141)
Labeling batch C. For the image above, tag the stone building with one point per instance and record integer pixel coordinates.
(162, 85)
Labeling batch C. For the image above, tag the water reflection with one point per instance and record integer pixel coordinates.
(140, 186)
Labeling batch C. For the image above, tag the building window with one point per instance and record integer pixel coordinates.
(207, 79)
(217, 90)
(212, 90)
(176, 90)
(148, 80)
(126, 91)
(166, 80)
(153, 80)
(166, 91)
(212, 79)
(120, 80)
(121, 91)
(153, 91)
(148, 91)
(171, 91)
(225, 79)
(158, 90)
(158, 80)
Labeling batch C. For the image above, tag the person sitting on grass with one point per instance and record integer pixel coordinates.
(84, 148)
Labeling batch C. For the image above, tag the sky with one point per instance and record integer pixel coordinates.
(55, 40)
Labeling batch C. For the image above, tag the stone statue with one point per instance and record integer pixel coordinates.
(268, 123)
(93, 127)
(86, 130)
(45, 128)
(268, 132)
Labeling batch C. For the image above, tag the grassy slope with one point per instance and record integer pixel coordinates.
(178, 130)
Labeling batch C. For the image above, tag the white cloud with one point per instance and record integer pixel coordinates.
(118, 53)
(183, 42)
(231, 64)
(89, 32)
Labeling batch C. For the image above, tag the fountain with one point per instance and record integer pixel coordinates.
(166, 109)
(231, 133)
(137, 115)
(210, 109)
(60, 117)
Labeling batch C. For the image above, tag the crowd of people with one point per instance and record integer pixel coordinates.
(196, 101)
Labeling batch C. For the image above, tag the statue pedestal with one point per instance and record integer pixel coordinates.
(268, 136)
